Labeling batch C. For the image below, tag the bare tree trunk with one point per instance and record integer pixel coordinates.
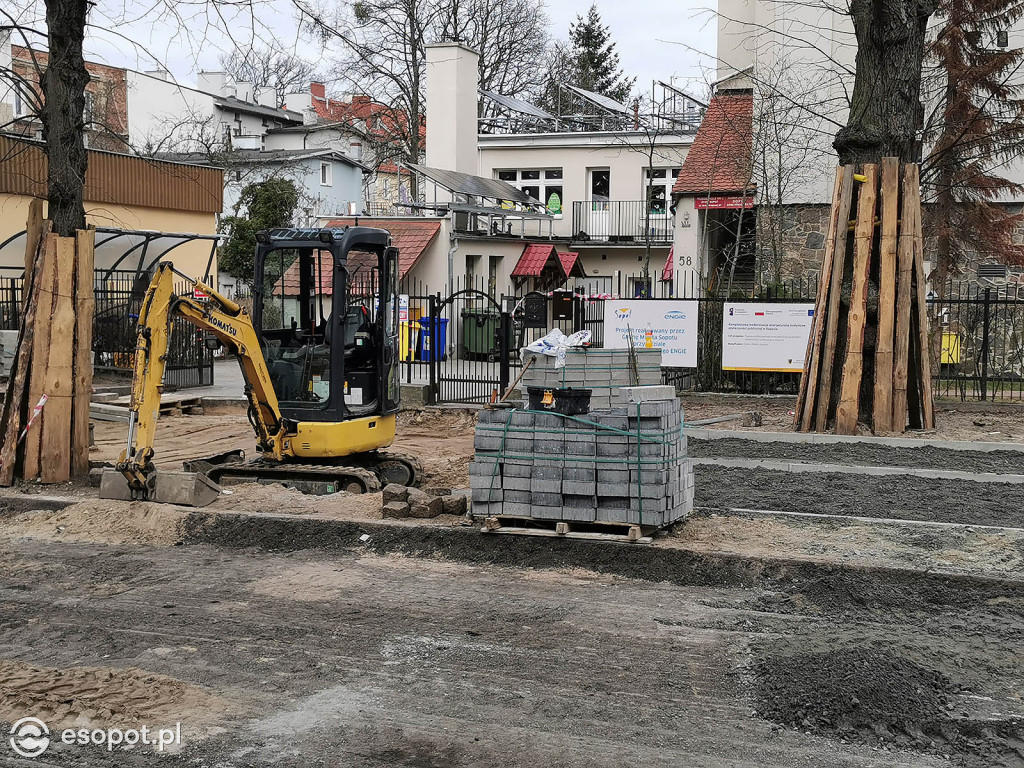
(64, 83)
(885, 110)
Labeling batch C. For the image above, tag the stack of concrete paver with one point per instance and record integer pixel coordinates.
(603, 371)
(625, 465)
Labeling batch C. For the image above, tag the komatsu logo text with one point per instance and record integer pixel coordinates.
(217, 322)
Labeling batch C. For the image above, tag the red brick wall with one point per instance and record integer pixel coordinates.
(108, 86)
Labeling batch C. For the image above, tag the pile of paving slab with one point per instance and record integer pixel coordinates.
(624, 462)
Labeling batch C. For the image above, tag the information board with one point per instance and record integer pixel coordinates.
(666, 324)
(765, 337)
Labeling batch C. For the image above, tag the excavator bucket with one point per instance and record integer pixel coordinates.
(190, 489)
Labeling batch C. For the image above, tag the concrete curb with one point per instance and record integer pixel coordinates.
(815, 438)
(851, 469)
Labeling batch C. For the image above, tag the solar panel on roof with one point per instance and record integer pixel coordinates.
(478, 186)
(517, 105)
(602, 101)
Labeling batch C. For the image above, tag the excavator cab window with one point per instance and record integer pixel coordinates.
(295, 324)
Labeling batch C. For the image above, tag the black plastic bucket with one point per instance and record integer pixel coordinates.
(564, 400)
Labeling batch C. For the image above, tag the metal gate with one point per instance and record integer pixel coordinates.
(470, 347)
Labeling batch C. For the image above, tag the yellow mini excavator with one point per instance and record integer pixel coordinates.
(321, 381)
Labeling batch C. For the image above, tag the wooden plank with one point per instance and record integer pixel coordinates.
(905, 264)
(812, 357)
(85, 309)
(849, 395)
(46, 274)
(33, 234)
(59, 381)
(831, 320)
(18, 385)
(924, 368)
(886, 294)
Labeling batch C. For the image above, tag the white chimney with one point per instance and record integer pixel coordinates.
(298, 102)
(213, 82)
(159, 74)
(267, 97)
(243, 91)
(451, 92)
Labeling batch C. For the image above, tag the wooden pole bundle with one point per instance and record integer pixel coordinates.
(54, 358)
(857, 330)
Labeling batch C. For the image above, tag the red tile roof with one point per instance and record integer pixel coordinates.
(535, 257)
(538, 256)
(666, 273)
(411, 238)
(571, 264)
(719, 158)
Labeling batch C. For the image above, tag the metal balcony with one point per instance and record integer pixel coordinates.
(620, 221)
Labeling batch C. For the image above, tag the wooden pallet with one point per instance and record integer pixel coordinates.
(529, 526)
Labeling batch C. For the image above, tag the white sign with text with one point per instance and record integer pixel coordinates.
(666, 324)
(765, 337)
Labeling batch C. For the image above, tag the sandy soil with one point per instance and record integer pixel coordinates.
(358, 659)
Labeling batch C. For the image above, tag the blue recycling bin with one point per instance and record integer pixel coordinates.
(429, 335)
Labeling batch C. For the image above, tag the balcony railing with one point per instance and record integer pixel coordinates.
(620, 221)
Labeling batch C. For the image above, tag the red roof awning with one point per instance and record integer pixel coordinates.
(540, 256)
(666, 273)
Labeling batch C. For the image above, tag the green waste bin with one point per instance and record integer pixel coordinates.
(480, 329)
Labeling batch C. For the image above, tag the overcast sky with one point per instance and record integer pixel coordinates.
(656, 41)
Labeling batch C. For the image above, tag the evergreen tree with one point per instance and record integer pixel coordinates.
(589, 61)
(978, 129)
(595, 59)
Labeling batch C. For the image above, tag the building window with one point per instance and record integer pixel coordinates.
(470, 270)
(325, 174)
(659, 183)
(493, 262)
(600, 188)
(90, 109)
(540, 184)
(20, 109)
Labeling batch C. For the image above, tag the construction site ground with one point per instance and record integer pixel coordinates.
(798, 619)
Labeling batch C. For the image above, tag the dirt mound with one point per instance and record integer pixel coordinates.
(874, 696)
(109, 522)
(102, 697)
(860, 691)
(276, 499)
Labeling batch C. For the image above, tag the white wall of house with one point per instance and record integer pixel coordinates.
(577, 156)
(167, 115)
(316, 199)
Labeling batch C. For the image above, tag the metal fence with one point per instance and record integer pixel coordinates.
(119, 296)
(621, 221)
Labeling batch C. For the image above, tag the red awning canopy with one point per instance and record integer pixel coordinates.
(666, 273)
(538, 257)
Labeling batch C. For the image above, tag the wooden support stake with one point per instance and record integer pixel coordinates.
(59, 380)
(921, 308)
(905, 257)
(849, 398)
(45, 274)
(18, 384)
(828, 348)
(85, 309)
(886, 294)
(808, 382)
(33, 235)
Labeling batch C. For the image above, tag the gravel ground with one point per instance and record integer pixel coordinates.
(899, 497)
(862, 454)
(347, 658)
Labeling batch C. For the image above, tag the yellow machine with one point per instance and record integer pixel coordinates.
(321, 382)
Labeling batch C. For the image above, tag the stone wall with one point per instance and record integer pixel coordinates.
(791, 242)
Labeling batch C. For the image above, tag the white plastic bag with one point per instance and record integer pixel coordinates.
(555, 344)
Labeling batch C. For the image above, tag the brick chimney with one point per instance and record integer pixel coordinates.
(318, 91)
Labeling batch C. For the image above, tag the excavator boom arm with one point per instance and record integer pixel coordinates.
(219, 317)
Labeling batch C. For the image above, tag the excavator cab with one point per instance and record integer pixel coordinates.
(326, 310)
(319, 357)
